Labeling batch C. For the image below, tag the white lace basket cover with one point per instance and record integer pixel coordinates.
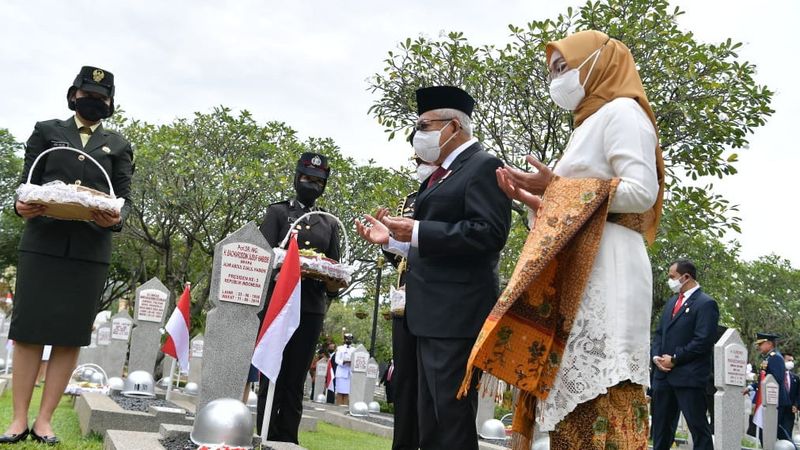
(320, 267)
(69, 201)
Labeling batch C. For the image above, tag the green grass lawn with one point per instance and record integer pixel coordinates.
(65, 424)
(329, 437)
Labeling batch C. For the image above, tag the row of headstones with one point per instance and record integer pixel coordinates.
(363, 377)
(240, 276)
(110, 340)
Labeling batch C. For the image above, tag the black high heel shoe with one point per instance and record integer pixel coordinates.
(49, 440)
(14, 438)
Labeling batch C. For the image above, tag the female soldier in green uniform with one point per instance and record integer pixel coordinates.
(63, 264)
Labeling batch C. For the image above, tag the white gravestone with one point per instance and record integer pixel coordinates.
(319, 379)
(196, 359)
(89, 354)
(373, 370)
(730, 372)
(358, 375)
(103, 345)
(486, 391)
(121, 327)
(239, 283)
(770, 415)
(149, 313)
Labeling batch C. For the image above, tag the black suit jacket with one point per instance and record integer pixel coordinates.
(66, 238)
(464, 220)
(690, 338)
(794, 390)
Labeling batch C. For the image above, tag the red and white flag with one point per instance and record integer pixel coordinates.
(329, 375)
(177, 343)
(758, 414)
(282, 318)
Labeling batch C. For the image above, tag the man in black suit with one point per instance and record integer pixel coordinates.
(453, 242)
(682, 351)
(793, 388)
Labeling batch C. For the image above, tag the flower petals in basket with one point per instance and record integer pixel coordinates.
(336, 274)
(68, 201)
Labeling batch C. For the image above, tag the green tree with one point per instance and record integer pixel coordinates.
(705, 97)
(10, 223)
(197, 180)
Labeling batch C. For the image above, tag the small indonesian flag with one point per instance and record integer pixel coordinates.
(329, 375)
(282, 318)
(177, 343)
(758, 414)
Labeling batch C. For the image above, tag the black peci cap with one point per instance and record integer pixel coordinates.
(438, 97)
(314, 165)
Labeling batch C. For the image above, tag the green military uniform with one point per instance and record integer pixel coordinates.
(63, 264)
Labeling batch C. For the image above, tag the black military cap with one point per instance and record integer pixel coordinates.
(313, 164)
(438, 97)
(93, 79)
(764, 337)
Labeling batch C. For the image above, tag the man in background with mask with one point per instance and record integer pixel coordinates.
(682, 352)
(453, 240)
(318, 233)
(791, 380)
(402, 374)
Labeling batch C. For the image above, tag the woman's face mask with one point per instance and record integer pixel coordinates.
(566, 89)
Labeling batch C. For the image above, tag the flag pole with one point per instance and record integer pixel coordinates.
(171, 374)
(267, 412)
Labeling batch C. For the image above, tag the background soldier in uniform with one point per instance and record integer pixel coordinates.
(321, 234)
(772, 363)
(404, 345)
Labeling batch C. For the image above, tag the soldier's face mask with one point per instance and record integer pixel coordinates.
(92, 108)
(308, 191)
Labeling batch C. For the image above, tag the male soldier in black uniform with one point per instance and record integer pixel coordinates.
(772, 364)
(320, 233)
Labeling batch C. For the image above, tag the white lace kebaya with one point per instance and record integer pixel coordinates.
(610, 337)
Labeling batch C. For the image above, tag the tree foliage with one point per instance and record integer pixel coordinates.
(10, 224)
(705, 97)
(198, 180)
